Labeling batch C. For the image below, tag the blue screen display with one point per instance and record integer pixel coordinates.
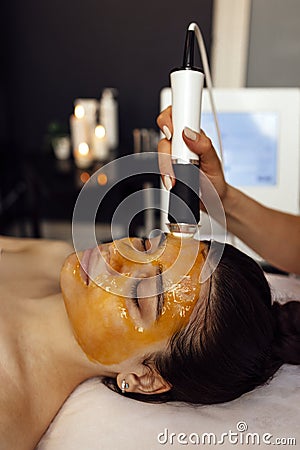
(250, 144)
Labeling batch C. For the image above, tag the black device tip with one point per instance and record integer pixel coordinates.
(188, 56)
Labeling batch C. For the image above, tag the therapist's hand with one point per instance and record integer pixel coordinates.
(198, 143)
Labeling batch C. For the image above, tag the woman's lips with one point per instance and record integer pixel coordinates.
(84, 265)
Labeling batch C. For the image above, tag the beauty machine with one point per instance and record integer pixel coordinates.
(187, 85)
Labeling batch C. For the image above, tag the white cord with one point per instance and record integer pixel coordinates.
(194, 27)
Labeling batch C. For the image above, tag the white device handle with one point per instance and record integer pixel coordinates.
(187, 86)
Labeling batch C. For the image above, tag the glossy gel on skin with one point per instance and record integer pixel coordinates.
(109, 327)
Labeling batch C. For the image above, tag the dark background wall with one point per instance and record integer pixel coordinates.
(59, 50)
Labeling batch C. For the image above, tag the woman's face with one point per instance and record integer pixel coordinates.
(130, 296)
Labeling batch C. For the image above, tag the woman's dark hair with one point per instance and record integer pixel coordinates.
(237, 344)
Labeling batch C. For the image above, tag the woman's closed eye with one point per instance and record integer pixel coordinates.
(144, 288)
(134, 293)
(146, 299)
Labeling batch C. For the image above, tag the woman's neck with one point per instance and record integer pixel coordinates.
(54, 338)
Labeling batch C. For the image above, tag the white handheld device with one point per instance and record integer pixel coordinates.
(187, 85)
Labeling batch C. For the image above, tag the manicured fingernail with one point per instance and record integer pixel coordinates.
(167, 182)
(167, 132)
(190, 134)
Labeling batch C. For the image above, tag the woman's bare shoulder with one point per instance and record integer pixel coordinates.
(15, 244)
(10, 243)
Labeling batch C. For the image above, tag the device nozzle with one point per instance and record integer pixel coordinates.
(183, 230)
(188, 56)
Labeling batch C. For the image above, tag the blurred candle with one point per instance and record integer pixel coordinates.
(86, 108)
(83, 155)
(79, 130)
(79, 111)
(100, 145)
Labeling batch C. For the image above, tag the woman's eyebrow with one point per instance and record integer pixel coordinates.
(160, 290)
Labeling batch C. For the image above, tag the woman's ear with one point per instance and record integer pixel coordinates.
(147, 382)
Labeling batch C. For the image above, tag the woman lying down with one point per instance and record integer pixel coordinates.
(136, 314)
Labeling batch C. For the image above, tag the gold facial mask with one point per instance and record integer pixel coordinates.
(111, 328)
